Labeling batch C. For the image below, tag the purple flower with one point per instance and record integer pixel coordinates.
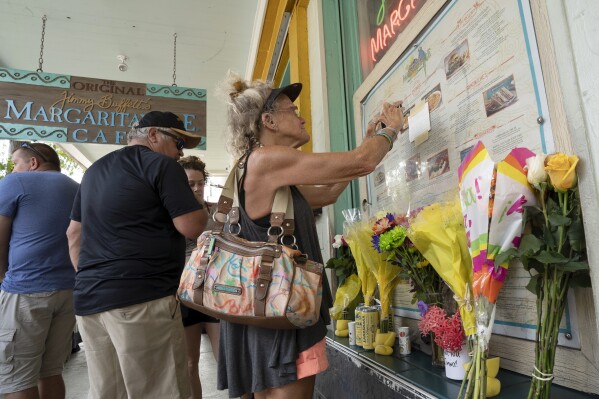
(391, 218)
(375, 242)
(422, 308)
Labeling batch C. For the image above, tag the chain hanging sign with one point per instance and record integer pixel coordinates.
(45, 106)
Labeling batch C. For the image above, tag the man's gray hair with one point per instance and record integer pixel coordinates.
(136, 133)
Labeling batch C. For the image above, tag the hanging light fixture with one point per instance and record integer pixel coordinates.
(123, 64)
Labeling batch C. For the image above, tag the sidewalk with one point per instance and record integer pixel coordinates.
(77, 383)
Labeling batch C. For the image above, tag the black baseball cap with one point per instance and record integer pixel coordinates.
(292, 91)
(172, 122)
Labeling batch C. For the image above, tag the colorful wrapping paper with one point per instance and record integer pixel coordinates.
(492, 200)
(475, 176)
(512, 193)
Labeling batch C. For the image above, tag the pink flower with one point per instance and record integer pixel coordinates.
(448, 331)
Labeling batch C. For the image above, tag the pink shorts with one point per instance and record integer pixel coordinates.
(312, 361)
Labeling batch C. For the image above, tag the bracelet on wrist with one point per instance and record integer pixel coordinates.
(387, 136)
(395, 132)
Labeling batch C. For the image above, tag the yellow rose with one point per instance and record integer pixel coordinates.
(562, 171)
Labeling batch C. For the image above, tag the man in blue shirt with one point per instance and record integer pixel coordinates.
(36, 274)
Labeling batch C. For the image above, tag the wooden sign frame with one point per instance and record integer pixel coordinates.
(78, 110)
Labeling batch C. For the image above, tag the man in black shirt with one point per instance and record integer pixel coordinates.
(126, 241)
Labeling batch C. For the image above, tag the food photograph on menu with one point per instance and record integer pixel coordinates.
(456, 59)
(438, 164)
(500, 96)
(434, 98)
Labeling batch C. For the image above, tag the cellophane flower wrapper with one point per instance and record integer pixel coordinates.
(352, 231)
(346, 293)
(476, 180)
(438, 233)
(384, 272)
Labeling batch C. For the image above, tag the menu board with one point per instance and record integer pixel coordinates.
(476, 66)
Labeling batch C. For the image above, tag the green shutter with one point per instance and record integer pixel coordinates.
(342, 56)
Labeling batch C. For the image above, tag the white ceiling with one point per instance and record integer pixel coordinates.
(83, 38)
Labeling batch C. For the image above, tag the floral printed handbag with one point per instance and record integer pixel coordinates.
(265, 284)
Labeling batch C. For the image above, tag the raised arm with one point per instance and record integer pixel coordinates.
(271, 167)
(322, 195)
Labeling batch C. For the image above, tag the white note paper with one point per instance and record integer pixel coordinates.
(419, 123)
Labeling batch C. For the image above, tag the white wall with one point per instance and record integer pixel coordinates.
(575, 30)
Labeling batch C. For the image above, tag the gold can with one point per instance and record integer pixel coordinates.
(358, 318)
(370, 322)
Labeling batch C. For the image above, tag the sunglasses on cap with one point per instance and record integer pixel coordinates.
(180, 143)
(36, 152)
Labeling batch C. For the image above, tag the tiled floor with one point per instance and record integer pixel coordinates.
(77, 383)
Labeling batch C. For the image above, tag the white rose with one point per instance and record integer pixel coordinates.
(338, 241)
(536, 169)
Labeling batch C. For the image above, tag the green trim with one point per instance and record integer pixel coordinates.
(34, 78)
(175, 92)
(344, 76)
(286, 78)
(17, 131)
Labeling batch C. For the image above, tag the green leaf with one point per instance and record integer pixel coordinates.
(550, 257)
(573, 266)
(532, 284)
(529, 244)
(525, 264)
(548, 237)
(576, 236)
(506, 256)
(559, 220)
(531, 211)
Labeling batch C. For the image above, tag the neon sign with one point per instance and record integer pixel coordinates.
(399, 18)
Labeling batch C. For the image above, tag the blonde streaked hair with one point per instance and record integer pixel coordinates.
(245, 104)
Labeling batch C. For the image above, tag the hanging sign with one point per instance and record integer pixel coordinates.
(72, 109)
(380, 24)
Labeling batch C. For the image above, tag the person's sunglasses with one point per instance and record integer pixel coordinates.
(36, 152)
(180, 142)
(293, 109)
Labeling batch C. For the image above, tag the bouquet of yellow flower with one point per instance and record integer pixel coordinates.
(354, 232)
(348, 291)
(553, 252)
(390, 236)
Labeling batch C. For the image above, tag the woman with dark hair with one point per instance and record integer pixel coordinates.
(195, 322)
(265, 128)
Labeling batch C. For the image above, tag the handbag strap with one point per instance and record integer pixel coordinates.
(281, 220)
